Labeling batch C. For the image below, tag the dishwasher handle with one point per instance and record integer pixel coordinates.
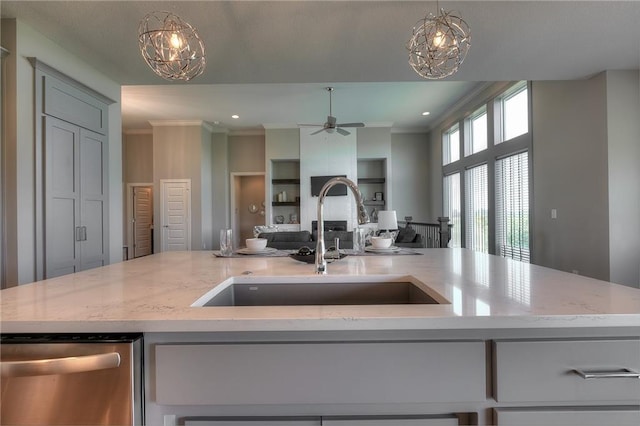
(68, 365)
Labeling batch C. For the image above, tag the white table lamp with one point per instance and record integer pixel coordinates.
(387, 221)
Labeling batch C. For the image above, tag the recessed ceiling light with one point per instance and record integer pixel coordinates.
(426, 113)
(236, 116)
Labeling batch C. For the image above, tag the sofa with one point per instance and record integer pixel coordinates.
(293, 240)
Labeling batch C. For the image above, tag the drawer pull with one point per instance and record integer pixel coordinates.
(624, 373)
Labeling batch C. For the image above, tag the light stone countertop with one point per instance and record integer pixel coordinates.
(155, 293)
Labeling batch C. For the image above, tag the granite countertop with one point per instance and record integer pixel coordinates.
(155, 293)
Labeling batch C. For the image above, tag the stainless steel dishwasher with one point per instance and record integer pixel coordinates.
(79, 379)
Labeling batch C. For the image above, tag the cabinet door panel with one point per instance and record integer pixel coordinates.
(62, 196)
(584, 416)
(320, 373)
(262, 422)
(394, 421)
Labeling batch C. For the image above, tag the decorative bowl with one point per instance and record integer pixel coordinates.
(256, 244)
(381, 242)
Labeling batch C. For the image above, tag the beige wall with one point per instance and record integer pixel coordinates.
(24, 42)
(177, 151)
(570, 175)
(220, 185)
(246, 153)
(137, 154)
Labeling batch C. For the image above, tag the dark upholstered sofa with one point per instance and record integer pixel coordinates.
(293, 240)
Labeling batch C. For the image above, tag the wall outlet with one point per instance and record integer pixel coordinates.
(575, 271)
(554, 213)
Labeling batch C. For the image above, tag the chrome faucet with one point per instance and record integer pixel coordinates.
(363, 217)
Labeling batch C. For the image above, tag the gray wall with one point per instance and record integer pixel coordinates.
(206, 188)
(570, 175)
(623, 117)
(20, 186)
(410, 178)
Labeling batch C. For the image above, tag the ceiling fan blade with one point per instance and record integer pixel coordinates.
(342, 131)
(350, 125)
(318, 131)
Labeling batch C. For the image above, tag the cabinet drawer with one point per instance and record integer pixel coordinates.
(320, 373)
(546, 370)
(583, 416)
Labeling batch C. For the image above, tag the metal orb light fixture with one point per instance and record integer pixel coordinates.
(439, 45)
(170, 46)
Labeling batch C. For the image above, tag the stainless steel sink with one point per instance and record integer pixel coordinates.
(320, 290)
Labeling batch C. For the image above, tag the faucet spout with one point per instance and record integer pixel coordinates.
(363, 217)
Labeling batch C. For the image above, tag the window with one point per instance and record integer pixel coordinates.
(452, 208)
(515, 113)
(476, 140)
(451, 145)
(512, 207)
(477, 208)
(486, 191)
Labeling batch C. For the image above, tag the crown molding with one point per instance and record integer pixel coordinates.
(249, 132)
(138, 131)
(181, 123)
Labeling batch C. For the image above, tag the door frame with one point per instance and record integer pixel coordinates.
(128, 246)
(163, 196)
(232, 200)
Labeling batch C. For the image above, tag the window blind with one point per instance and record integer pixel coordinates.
(477, 208)
(512, 207)
(452, 207)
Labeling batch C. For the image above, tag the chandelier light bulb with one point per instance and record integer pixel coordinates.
(176, 43)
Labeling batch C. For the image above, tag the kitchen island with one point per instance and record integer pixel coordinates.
(507, 344)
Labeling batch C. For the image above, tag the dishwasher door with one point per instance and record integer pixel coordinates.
(71, 380)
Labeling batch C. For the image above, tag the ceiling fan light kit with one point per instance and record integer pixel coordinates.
(439, 45)
(171, 47)
(330, 126)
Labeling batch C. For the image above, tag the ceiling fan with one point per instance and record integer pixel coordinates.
(330, 125)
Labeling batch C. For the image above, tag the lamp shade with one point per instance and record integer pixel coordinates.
(387, 220)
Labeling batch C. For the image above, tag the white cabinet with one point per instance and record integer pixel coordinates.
(547, 370)
(437, 420)
(320, 373)
(596, 380)
(75, 198)
(240, 421)
(575, 416)
(71, 173)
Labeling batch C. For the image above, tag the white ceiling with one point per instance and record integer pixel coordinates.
(270, 61)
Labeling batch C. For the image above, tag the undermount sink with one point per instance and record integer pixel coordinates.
(319, 290)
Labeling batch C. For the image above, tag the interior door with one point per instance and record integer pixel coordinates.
(142, 220)
(176, 214)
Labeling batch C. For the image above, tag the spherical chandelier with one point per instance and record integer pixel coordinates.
(439, 45)
(170, 46)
